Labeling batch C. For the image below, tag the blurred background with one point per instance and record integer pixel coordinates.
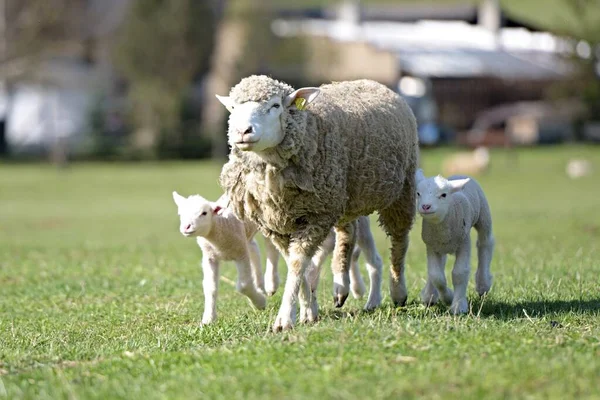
(135, 79)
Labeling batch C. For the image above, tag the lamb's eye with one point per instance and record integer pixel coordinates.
(443, 195)
(418, 194)
(203, 213)
(276, 105)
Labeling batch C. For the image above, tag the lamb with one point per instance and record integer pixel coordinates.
(469, 163)
(222, 237)
(450, 208)
(307, 160)
(365, 242)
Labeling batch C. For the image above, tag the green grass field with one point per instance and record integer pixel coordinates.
(101, 297)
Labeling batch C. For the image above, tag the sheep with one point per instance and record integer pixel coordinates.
(365, 242)
(469, 163)
(222, 237)
(307, 160)
(450, 208)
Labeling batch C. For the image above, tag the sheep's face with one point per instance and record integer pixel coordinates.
(195, 214)
(259, 126)
(434, 195)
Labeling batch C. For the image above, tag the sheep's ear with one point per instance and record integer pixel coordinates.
(419, 175)
(178, 199)
(227, 102)
(458, 184)
(301, 97)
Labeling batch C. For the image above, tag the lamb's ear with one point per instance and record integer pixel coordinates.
(217, 209)
(227, 102)
(302, 97)
(419, 176)
(178, 199)
(458, 184)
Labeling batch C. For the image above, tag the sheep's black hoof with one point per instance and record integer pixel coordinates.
(399, 303)
(339, 300)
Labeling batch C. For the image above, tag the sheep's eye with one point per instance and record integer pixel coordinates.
(418, 194)
(276, 105)
(443, 195)
(204, 213)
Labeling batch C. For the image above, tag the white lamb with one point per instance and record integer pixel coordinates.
(222, 237)
(450, 208)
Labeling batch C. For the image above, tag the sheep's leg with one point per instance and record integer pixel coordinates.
(460, 278)
(257, 275)
(298, 257)
(245, 284)
(366, 243)
(210, 285)
(271, 272)
(485, 249)
(396, 221)
(436, 280)
(340, 266)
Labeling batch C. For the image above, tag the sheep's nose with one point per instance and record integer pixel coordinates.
(246, 131)
(426, 207)
(188, 226)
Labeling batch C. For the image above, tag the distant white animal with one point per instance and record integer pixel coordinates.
(578, 168)
(450, 208)
(222, 237)
(468, 163)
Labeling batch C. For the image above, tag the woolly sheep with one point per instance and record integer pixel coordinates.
(222, 237)
(365, 243)
(450, 208)
(306, 160)
(469, 163)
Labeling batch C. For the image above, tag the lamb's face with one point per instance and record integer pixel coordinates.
(195, 214)
(258, 126)
(434, 195)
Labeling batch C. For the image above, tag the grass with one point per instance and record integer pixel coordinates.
(101, 298)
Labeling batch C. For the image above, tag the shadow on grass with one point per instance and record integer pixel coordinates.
(535, 309)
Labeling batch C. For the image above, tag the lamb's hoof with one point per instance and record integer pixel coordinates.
(372, 303)
(399, 303)
(259, 301)
(459, 307)
(358, 291)
(339, 300)
(271, 288)
(207, 320)
(429, 299)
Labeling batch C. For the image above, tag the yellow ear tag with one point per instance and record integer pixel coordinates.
(300, 102)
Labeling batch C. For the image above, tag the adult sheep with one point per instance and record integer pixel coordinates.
(306, 160)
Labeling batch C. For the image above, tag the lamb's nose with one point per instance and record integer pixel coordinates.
(426, 206)
(248, 130)
(187, 228)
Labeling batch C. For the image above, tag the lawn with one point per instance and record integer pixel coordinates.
(101, 297)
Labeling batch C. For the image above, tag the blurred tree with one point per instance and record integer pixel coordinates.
(243, 46)
(162, 46)
(581, 21)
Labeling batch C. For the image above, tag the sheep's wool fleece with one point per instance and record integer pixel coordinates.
(468, 208)
(352, 151)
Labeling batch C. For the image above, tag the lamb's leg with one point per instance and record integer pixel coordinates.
(271, 272)
(298, 257)
(245, 284)
(366, 243)
(324, 250)
(357, 285)
(345, 240)
(257, 275)
(210, 285)
(485, 249)
(436, 280)
(460, 278)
